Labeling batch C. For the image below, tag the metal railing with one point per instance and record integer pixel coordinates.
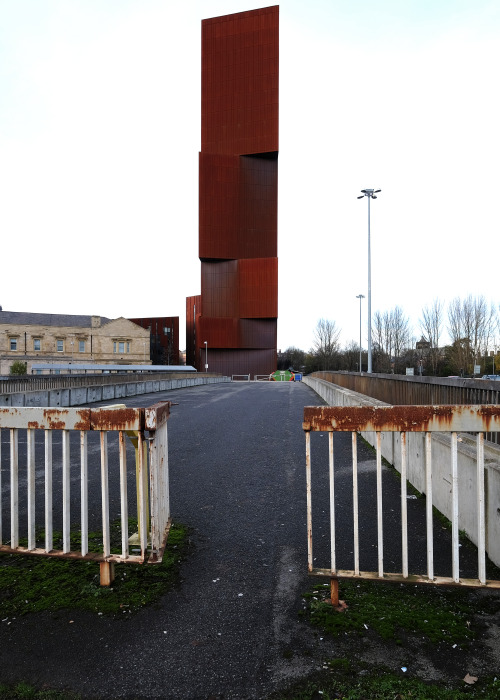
(398, 389)
(13, 385)
(402, 421)
(60, 434)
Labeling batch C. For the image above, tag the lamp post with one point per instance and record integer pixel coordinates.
(206, 356)
(369, 194)
(360, 296)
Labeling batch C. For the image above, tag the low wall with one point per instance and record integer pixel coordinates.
(335, 395)
(83, 395)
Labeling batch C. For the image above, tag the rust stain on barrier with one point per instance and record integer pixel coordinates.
(401, 418)
(117, 419)
(39, 418)
(490, 414)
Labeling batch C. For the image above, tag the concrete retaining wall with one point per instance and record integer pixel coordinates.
(81, 396)
(335, 395)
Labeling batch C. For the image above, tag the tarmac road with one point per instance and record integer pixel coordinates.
(231, 630)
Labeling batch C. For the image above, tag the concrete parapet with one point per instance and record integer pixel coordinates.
(335, 395)
(83, 395)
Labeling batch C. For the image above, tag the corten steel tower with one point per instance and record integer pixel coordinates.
(236, 315)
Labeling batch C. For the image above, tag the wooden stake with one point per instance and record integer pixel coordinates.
(107, 572)
(334, 591)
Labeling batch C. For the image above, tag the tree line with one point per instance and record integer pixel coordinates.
(472, 325)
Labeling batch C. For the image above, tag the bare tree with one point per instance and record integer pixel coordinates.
(391, 336)
(401, 334)
(471, 324)
(291, 357)
(431, 325)
(326, 343)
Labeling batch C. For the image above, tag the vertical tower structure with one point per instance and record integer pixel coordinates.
(236, 315)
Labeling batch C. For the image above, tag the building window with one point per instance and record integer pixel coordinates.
(60, 345)
(37, 344)
(13, 343)
(121, 346)
(81, 346)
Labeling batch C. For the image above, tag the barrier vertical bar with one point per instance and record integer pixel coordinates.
(123, 492)
(1, 515)
(333, 565)
(49, 539)
(154, 495)
(355, 500)
(143, 494)
(481, 526)
(165, 491)
(66, 491)
(428, 506)
(84, 492)
(454, 508)
(380, 531)
(308, 500)
(30, 439)
(404, 505)
(14, 488)
(105, 494)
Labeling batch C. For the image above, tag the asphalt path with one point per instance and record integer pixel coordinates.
(231, 629)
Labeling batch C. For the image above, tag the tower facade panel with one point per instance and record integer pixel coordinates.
(238, 207)
(240, 81)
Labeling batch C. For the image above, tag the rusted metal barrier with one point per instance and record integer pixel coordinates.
(149, 428)
(402, 420)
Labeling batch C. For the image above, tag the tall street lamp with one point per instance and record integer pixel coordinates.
(206, 355)
(360, 296)
(370, 194)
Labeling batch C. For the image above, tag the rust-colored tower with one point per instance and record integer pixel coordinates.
(237, 312)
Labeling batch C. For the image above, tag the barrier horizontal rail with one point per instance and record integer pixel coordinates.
(402, 420)
(147, 427)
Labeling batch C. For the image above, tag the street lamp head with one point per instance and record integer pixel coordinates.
(369, 193)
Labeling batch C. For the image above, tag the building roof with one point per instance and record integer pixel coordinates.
(30, 319)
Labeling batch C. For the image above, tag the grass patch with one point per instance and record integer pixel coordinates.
(24, 691)
(30, 584)
(339, 679)
(437, 614)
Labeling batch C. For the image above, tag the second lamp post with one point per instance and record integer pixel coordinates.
(370, 194)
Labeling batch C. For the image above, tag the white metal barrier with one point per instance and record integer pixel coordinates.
(403, 420)
(240, 377)
(147, 429)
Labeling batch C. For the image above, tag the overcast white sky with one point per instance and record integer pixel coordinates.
(100, 134)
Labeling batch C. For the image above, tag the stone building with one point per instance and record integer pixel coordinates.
(64, 338)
